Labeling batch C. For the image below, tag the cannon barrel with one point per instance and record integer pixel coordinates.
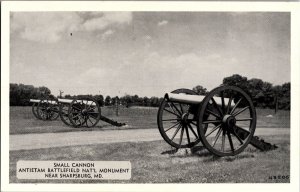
(192, 99)
(43, 101)
(34, 100)
(70, 101)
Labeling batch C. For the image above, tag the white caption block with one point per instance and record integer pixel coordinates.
(95, 170)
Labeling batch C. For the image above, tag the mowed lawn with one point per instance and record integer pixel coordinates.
(149, 165)
(150, 161)
(22, 120)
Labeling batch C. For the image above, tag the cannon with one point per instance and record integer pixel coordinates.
(224, 120)
(45, 109)
(77, 112)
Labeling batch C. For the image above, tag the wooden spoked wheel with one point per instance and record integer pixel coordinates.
(84, 112)
(64, 113)
(230, 111)
(48, 109)
(34, 110)
(177, 122)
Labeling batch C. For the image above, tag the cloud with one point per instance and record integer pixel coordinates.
(107, 19)
(161, 23)
(148, 37)
(106, 34)
(49, 27)
(44, 27)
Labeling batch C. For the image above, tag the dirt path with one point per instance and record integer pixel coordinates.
(47, 140)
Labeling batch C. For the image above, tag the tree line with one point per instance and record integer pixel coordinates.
(264, 94)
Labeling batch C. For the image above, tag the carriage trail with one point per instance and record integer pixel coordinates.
(48, 140)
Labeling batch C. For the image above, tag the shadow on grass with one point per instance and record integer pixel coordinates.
(201, 151)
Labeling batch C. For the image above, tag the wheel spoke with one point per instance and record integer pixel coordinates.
(217, 106)
(92, 116)
(181, 135)
(240, 140)
(181, 108)
(223, 141)
(217, 137)
(171, 127)
(241, 111)
(176, 108)
(223, 102)
(55, 110)
(230, 142)
(211, 121)
(175, 132)
(171, 112)
(90, 121)
(212, 113)
(75, 116)
(213, 130)
(193, 123)
(191, 128)
(235, 106)
(89, 106)
(187, 134)
(76, 108)
(169, 119)
(245, 119)
(229, 105)
(93, 112)
(242, 131)
(79, 119)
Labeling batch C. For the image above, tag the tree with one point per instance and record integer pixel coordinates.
(200, 90)
(284, 101)
(146, 101)
(107, 100)
(99, 99)
(20, 94)
(236, 80)
(154, 101)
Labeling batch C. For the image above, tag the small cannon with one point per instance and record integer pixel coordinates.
(45, 109)
(224, 120)
(73, 112)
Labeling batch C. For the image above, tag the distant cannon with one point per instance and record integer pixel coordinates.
(78, 112)
(224, 120)
(45, 109)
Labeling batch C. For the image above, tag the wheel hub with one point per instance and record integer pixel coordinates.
(48, 109)
(84, 112)
(229, 122)
(184, 118)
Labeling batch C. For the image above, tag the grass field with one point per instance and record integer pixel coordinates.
(22, 120)
(150, 161)
(150, 166)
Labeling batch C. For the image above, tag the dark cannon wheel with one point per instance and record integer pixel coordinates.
(34, 110)
(231, 112)
(84, 112)
(64, 113)
(48, 109)
(177, 123)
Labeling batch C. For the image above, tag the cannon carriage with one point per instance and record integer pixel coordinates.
(79, 112)
(224, 120)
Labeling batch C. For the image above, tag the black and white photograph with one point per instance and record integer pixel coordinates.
(150, 97)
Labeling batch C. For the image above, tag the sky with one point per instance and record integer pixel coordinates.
(146, 53)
